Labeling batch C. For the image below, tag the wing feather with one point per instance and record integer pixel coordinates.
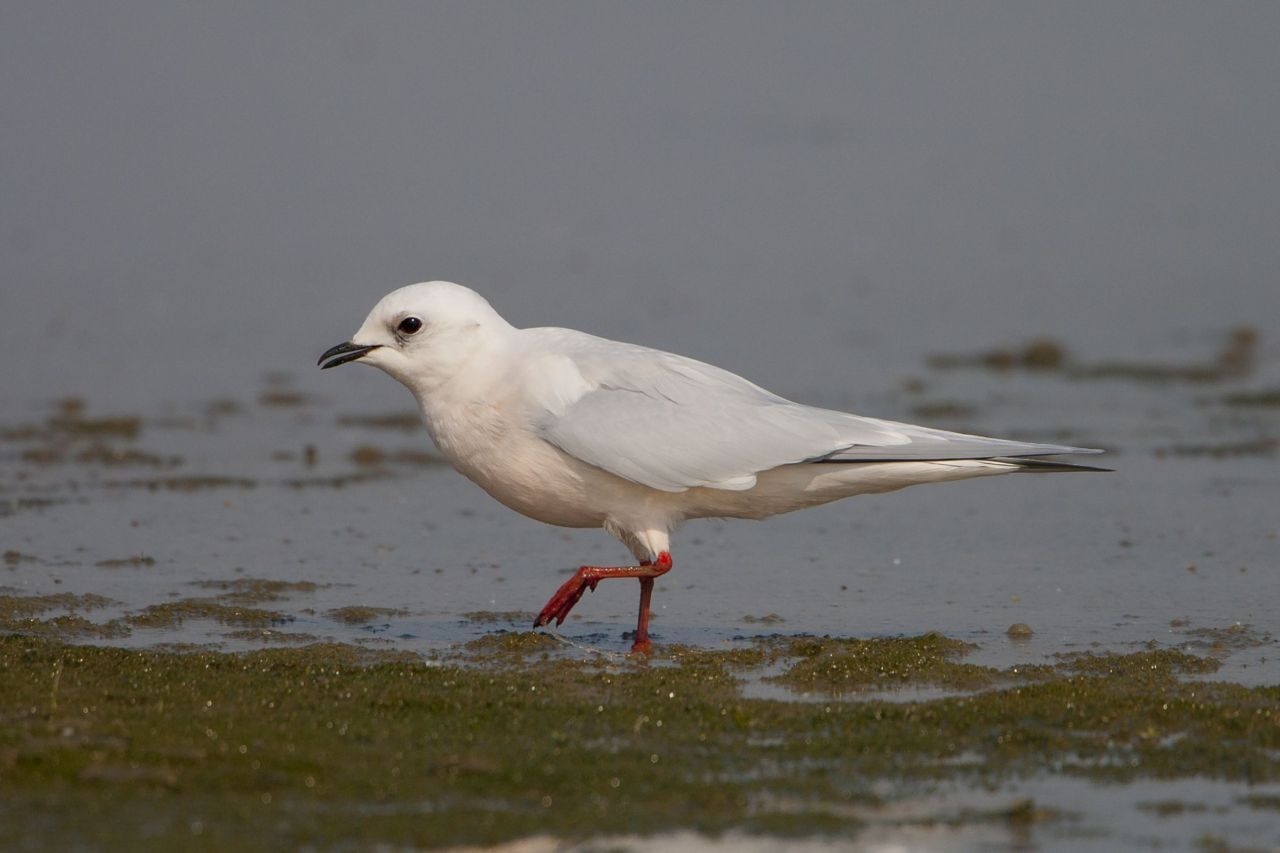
(673, 423)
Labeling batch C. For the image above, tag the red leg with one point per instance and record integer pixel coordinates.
(642, 643)
(587, 577)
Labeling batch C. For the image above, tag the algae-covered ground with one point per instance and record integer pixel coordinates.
(334, 746)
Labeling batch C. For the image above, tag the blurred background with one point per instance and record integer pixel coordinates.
(813, 194)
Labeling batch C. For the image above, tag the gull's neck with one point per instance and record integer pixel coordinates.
(462, 366)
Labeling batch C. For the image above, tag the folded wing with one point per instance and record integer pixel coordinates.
(673, 423)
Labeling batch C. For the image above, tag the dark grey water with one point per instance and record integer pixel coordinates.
(198, 200)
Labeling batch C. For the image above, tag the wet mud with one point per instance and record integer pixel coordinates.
(333, 745)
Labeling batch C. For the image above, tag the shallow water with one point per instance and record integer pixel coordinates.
(387, 547)
(1161, 815)
(1171, 547)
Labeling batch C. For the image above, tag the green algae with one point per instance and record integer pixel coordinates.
(256, 590)
(68, 626)
(26, 605)
(1231, 638)
(759, 654)
(69, 436)
(137, 561)
(522, 617)
(113, 427)
(267, 635)
(187, 483)
(337, 481)
(1171, 808)
(121, 457)
(1262, 802)
(282, 398)
(838, 666)
(1269, 398)
(337, 746)
(1039, 354)
(371, 456)
(19, 614)
(395, 421)
(510, 646)
(13, 507)
(172, 613)
(1235, 359)
(1140, 667)
(70, 424)
(358, 614)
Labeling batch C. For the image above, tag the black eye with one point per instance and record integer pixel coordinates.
(409, 326)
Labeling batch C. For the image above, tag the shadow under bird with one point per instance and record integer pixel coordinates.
(581, 431)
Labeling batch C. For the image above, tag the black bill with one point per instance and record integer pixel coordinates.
(343, 353)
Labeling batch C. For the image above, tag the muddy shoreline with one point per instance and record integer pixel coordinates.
(518, 735)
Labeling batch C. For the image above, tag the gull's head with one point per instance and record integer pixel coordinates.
(421, 334)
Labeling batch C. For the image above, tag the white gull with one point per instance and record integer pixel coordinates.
(581, 431)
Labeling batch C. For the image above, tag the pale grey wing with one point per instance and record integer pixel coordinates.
(925, 444)
(721, 441)
(672, 447)
(672, 423)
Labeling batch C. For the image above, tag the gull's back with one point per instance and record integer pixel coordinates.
(673, 423)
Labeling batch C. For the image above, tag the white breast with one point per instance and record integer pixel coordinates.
(515, 467)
